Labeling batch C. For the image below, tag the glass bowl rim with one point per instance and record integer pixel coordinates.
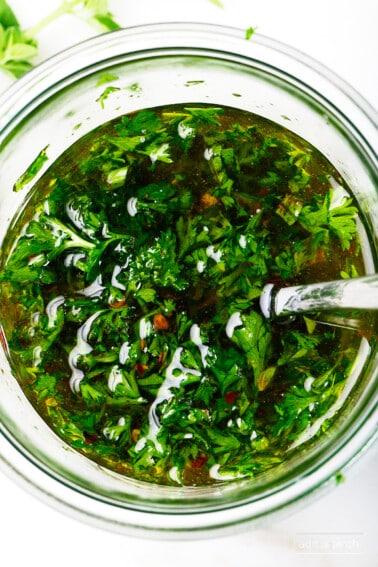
(47, 74)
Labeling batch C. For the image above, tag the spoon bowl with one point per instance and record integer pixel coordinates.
(354, 293)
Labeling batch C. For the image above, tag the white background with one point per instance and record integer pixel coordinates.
(343, 35)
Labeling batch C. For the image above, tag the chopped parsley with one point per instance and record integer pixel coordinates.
(130, 299)
(105, 94)
(106, 78)
(33, 169)
(249, 32)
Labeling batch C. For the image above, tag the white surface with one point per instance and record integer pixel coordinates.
(341, 528)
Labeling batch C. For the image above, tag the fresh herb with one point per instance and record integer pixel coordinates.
(105, 94)
(193, 83)
(33, 169)
(323, 217)
(16, 48)
(106, 78)
(249, 32)
(19, 47)
(134, 88)
(339, 478)
(134, 275)
(95, 12)
(7, 16)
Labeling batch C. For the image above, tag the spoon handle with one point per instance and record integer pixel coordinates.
(354, 293)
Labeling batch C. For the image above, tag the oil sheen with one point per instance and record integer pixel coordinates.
(130, 288)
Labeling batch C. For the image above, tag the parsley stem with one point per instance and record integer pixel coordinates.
(66, 7)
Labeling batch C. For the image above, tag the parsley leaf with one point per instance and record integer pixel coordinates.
(323, 217)
(254, 338)
(7, 16)
(18, 47)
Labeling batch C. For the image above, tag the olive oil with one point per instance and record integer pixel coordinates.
(130, 299)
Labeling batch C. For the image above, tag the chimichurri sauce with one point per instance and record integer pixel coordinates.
(130, 297)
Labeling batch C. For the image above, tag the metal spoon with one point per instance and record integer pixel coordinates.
(354, 293)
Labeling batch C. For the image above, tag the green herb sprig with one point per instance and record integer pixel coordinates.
(19, 47)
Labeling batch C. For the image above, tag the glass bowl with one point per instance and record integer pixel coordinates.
(56, 104)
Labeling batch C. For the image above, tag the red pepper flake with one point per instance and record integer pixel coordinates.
(352, 248)
(230, 397)
(208, 200)
(118, 303)
(160, 357)
(90, 438)
(141, 368)
(198, 462)
(160, 322)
